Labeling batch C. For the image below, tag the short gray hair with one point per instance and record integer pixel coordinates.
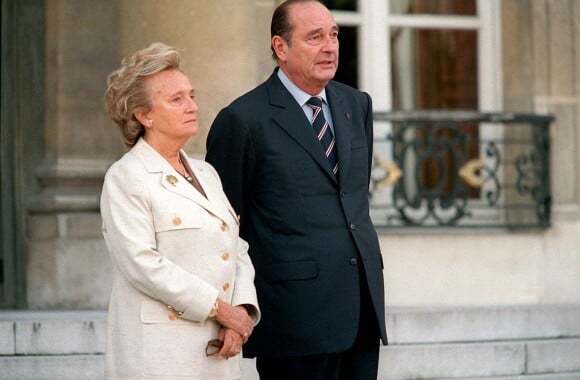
(126, 90)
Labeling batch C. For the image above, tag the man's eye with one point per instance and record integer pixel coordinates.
(314, 40)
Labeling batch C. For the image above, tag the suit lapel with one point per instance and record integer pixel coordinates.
(290, 117)
(174, 182)
(342, 123)
(214, 202)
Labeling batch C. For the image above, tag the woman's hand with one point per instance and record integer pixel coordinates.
(232, 343)
(235, 318)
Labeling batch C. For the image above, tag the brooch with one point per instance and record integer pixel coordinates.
(171, 179)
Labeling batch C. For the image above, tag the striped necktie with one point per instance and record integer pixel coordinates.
(323, 132)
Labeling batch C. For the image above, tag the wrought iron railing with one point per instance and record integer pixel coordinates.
(461, 169)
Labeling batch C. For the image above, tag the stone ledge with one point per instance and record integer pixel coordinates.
(7, 344)
(547, 356)
(53, 332)
(485, 323)
(404, 325)
(542, 359)
(437, 361)
(72, 367)
(551, 376)
(521, 342)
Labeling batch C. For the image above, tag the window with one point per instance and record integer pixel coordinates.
(379, 34)
(423, 54)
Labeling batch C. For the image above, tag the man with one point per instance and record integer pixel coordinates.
(298, 175)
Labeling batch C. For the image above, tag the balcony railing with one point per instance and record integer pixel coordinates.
(461, 169)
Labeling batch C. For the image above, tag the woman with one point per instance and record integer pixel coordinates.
(182, 279)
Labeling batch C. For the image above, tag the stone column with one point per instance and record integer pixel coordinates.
(541, 74)
(224, 46)
(67, 264)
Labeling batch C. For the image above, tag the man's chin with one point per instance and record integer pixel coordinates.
(326, 74)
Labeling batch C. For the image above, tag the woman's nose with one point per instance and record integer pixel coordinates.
(192, 105)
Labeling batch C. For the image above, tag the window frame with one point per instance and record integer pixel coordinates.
(374, 22)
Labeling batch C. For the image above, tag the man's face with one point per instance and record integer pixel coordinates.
(310, 59)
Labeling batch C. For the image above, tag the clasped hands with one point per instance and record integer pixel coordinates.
(237, 326)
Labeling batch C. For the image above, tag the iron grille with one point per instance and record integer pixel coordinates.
(461, 169)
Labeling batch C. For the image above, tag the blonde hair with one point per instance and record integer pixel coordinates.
(126, 90)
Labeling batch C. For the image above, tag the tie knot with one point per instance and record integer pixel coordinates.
(315, 101)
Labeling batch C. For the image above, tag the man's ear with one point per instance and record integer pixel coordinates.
(280, 47)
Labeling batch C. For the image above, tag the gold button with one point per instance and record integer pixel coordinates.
(173, 314)
(176, 221)
(225, 286)
(223, 226)
(225, 256)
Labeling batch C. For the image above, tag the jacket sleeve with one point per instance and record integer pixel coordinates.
(369, 131)
(245, 291)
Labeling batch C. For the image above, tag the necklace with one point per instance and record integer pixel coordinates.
(185, 173)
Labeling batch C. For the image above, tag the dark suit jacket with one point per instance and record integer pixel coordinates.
(308, 233)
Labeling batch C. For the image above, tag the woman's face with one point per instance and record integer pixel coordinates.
(173, 113)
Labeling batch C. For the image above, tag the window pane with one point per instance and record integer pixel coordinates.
(437, 69)
(341, 5)
(434, 69)
(348, 57)
(434, 7)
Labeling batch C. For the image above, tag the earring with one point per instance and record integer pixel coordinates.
(150, 121)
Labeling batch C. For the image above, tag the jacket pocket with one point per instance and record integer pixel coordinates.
(171, 346)
(168, 221)
(359, 143)
(291, 270)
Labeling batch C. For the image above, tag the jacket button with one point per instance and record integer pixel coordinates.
(173, 314)
(226, 286)
(176, 221)
(353, 262)
(223, 226)
(352, 226)
(225, 256)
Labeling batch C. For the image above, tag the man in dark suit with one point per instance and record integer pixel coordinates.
(303, 204)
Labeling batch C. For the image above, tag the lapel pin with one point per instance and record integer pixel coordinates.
(171, 179)
(347, 115)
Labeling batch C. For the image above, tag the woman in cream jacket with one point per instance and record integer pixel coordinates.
(183, 298)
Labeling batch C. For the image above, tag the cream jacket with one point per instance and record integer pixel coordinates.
(170, 248)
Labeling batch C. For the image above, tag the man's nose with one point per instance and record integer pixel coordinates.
(330, 43)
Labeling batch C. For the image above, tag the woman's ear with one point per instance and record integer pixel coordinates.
(141, 114)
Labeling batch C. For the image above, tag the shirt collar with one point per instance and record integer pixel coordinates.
(297, 93)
